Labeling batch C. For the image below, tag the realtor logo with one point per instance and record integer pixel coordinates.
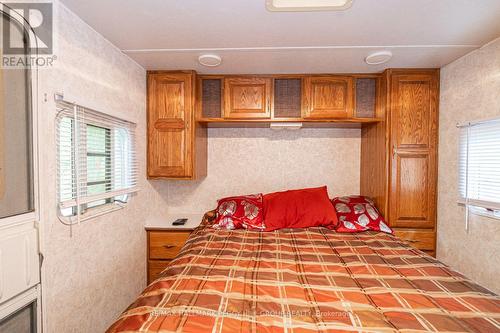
(27, 21)
(27, 35)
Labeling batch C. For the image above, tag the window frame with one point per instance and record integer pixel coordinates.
(87, 210)
(486, 208)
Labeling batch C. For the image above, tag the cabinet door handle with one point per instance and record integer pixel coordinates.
(169, 246)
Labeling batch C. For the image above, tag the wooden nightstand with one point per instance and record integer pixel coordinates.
(164, 241)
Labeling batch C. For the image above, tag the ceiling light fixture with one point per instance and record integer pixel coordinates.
(378, 58)
(210, 60)
(307, 5)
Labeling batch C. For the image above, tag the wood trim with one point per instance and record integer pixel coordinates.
(374, 166)
(293, 120)
(294, 75)
(169, 124)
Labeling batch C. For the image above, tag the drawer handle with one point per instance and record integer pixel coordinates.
(412, 241)
(169, 246)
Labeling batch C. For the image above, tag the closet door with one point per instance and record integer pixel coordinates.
(413, 119)
(170, 125)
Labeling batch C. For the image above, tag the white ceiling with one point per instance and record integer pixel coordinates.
(171, 34)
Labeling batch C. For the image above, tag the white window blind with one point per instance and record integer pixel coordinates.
(479, 164)
(96, 160)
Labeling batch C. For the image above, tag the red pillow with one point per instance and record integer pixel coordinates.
(357, 213)
(240, 212)
(299, 209)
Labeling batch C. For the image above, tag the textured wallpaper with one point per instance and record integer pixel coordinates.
(88, 279)
(470, 90)
(253, 160)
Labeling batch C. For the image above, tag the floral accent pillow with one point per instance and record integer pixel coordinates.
(244, 211)
(358, 213)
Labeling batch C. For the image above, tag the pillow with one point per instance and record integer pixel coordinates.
(240, 212)
(299, 209)
(357, 213)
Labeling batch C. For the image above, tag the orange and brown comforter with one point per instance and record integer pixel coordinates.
(308, 280)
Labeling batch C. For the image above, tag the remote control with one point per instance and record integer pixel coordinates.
(180, 221)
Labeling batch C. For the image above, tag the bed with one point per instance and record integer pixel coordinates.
(308, 280)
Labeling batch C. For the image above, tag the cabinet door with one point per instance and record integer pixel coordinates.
(170, 117)
(247, 97)
(328, 97)
(414, 117)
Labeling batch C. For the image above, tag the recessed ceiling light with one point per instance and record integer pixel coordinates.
(378, 58)
(307, 5)
(210, 60)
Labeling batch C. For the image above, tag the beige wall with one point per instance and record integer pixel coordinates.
(470, 90)
(89, 278)
(252, 160)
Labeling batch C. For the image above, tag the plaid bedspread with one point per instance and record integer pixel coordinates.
(308, 280)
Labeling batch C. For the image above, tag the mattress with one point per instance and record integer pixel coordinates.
(308, 280)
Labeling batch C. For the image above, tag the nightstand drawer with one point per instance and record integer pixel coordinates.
(166, 244)
(420, 239)
(155, 267)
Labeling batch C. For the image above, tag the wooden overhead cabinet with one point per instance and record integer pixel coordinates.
(328, 97)
(247, 97)
(176, 144)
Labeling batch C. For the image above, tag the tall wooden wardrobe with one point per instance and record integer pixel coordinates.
(399, 154)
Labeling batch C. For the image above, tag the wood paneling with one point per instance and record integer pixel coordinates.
(247, 97)
(174, 143)
(374, 171)
(328, 97)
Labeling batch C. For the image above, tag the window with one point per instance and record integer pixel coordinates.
(96, 162)
(479, 166)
